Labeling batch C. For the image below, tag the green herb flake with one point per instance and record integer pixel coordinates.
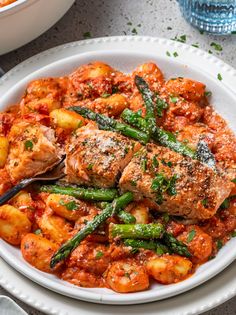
(169, 163)
(157, 182)
(225, 204)
(195, 45)
(174, 99)
(133, 183)
(168, 53)
(29, 145)
(159, 251)
(172, 186)
(105, 95)
(169, 28)
(216, 46)
(191, 236)
(166, 217)
(71, 205)
(134, 31)
(129, 23)
(210, 52)
(205, 202)
(201, 32)
(233, 32)
(219, 244)
(155, 162)
(90, 167)
(37, 232)
(87, 35)
(233, 180)
(208, 93)
(233, 234)
(175, 54)
(219, 77)
(144, 164)
(127, 275)
(139, 25)
(99, 254)
(160, 106)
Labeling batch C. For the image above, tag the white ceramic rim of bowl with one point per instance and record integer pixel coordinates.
(140, 297)
(12, 5)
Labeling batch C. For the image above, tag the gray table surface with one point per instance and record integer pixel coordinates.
(123, 17)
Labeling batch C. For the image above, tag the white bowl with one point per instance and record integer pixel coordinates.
(224, 101)
(24, 20)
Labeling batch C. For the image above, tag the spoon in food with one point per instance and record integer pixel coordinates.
(54, 174)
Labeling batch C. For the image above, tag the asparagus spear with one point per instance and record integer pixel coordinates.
(147, 96)
(152, 245)
(159, 135)
(82, 193)
(123, 215)
(65, 250)
(136, 231)
(205, 155)
(175, 245)
(107, 123)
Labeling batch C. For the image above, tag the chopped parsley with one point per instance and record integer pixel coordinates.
(129, 23)
(99, 254)
(191, 236)
(195, 45)
(233, 234)
(160, 106)
(87, 35)
(168, 53)
(166, 217)
(126, 150)
(127, 275)
(174, 99)
(210, 52)
(29, 145)
(90, 167)
(175, 54)
(233, 180)
(205, 202)
(133, 183)
(225, 204)
(159, 251)
(155, 162)
(216, 46)
(201, 32)
(208, 93)
(144, 164)
(233, 32)
(219, 244)
(181, 39)
(71, 205)
(161, 184)
(169, 163)
(37, 232)
(105, 95)
(219, 77)
(134, 31)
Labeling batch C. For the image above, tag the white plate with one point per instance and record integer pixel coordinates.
(24, 20)
(201, 299)
(125, 53)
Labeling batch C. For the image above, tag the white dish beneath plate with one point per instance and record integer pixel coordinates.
(121, 52)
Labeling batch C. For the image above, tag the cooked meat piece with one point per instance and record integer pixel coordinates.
(97, 157)
(32, 150)
(181, 186)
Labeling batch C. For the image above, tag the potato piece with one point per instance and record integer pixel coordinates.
(24, 203)
(43, 106)
(55, 228)
(13, 224)
(189, 89)
(38, 251)
(67, 207)
(141, 213)
(66, 119)
(4, 145)
(169, 268)
(96, 69)
(127, 276)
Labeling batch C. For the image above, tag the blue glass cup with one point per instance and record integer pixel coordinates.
(213, 16)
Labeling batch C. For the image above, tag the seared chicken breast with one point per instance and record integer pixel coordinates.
(32, 150)
(179, 185)
(97, 158)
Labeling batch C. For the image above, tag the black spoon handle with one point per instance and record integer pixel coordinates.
(13, 191)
